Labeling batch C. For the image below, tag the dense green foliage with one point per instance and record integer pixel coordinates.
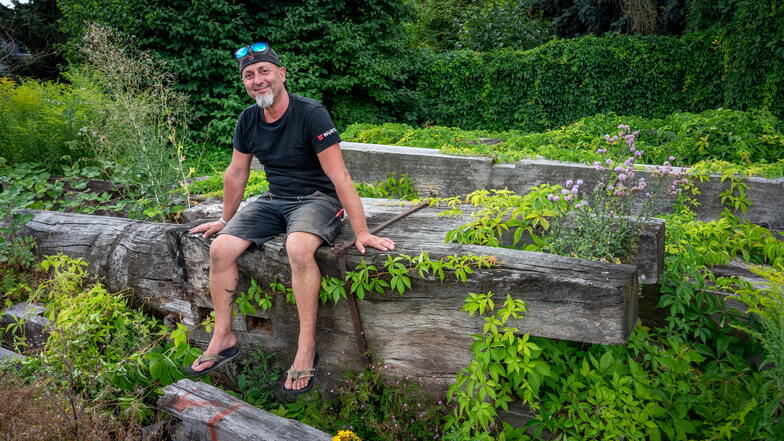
(126, 124)
(485, 25)
(33, 25)
(42, 122)
(563, 81)
(750, 36)
(753, 141)
(353, 58)
(98, 346)
(346, 54)
(692, 379)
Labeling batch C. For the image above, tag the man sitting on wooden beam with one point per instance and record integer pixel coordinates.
(296, 141)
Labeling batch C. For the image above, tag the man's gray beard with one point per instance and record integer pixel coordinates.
(264, 100)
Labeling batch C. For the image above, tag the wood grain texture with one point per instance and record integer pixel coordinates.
(213, 415)
(423, 333)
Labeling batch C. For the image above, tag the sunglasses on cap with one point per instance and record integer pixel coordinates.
(255, 47)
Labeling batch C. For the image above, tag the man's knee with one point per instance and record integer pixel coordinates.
(226, 249)
(301, 248)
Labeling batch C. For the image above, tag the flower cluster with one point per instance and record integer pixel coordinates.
(569, 192)
(607, 226)
(346, 435)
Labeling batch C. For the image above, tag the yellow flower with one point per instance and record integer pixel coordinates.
(346, 435)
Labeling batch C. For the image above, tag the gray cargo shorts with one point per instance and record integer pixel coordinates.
(270, 215)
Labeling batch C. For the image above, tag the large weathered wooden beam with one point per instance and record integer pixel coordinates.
(210, 414)
(34, 329)
(423, 333)
(447, 175)
(428, 227)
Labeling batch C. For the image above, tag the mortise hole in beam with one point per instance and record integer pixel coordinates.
(258, 325)
(202, 313)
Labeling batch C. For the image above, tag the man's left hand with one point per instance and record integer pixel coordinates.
(368, 240)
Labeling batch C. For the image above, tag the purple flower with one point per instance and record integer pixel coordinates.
(608, 161)
(569, 183)
(581, 204)
(579, 182)
(632, 149)
(556, 198)
(671, 158)
(642, 277)
(624, 127)
(565, 191)
(568, 197)
(622, 177)
(638, 153)
(575, 189)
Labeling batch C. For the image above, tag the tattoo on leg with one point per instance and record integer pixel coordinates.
(234, 292)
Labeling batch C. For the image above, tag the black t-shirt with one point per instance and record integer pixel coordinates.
(287, 148)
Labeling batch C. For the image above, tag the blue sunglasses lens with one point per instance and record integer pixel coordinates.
(259, 47)
(241, 52)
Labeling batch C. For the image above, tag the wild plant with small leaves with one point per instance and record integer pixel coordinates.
(605, 225)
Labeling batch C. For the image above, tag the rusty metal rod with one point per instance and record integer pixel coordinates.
(340, 253)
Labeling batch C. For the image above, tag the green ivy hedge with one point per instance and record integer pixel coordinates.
(565, 80)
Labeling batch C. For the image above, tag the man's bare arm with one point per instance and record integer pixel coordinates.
(331, 160)
(234, 180)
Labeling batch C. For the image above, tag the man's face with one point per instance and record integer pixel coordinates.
(264, 78)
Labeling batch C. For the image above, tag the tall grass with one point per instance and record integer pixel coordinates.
(141, 136)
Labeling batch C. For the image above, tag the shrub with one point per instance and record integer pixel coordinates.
(349, 56)
(43, 122)
(99, 348)
(750, 37)
(562, 81)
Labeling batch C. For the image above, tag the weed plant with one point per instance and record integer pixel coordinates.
(38, 412)
(212, 185)
(371, 407)
(393, 187)
(603, 226)
(42, 122)
(606, 226)
(67, 191)
(768, 306)
(99, 349)
(139, 141)
(258, 379)
(16, 249)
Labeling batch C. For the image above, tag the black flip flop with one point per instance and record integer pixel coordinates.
(295, 375)
(218, 360)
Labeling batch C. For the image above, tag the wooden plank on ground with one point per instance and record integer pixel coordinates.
(211, 414)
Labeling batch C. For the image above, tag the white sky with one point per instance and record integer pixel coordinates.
(9, 4)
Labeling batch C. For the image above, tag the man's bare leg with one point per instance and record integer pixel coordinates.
(224, 276)
(305, 282)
